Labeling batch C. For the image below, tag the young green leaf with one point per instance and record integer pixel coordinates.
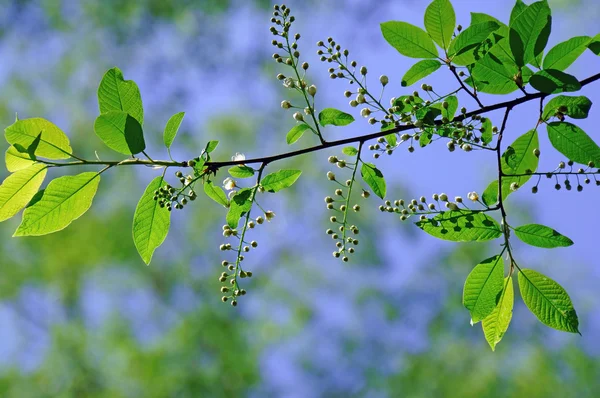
(483, 287)
(54, 144)
(486, 131)
(334, 117)
(120, 132)
(16, 160)
(64, 200)
(150, 221)
(211, 146)
(351, 151)
(408, 39)
(440, 21)
(216, 193)
(420, 70)
(561, 56)
(573, 142)
(171, 128)
(33, 147)
(18, 189)
(529, 32)
(240, 204)
(548, 301)
(496, 71)
(472, 37)
(479, 17)
(450, 110)
(541, 236)
(296, 132)
(461, 226)
(374, 179)
(279, 180)
(391, 139)
(490, 194)
(117, 94)
(575, 107)
(552, 81)
(495, 325)
(241, 171)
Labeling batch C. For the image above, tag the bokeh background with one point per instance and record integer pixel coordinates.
(82, 316)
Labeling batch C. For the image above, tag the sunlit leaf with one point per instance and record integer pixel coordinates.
(280, 180)
(64, 200)
(374, 179)
(541, 236)
(16, 160)
(54, 143)
(495, 325)
(216, 193)
(240, 204)
(561, 56)
(150, 221)
(440, 21)
(553, 81)
(408, 39)
(420, 70)
(241, 171)
(351, 151)
(120, 132)
(334, 117)
(296, 132)
(573, 142)
(575, 107)
(117, 94)
(548, 301)
(472, 37)
(172, 128)
(529, 32)
(483, 287)
(18, 189)
(461, 226)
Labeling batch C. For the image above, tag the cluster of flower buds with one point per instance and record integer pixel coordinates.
(171, 198)
(583, 176)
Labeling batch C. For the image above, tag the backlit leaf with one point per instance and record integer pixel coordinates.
(461, 226)
(117, 94)
(573, 142)
(542, 236)
(296, 132)
(18, 189)
(561, 56)
(552, 81)
(54, 144)
(420, 70)
(440, 21)
(575, 107)
(374, 179)
(120, 132)
(495, 325)
(279, 180)
(171, 128)
(483, 287)
(408, 39)
(334, 117)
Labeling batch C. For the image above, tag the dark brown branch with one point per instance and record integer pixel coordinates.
(362, 138)
(462, 84)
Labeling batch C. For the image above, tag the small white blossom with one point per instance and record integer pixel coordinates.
(473, 196)
(229, 184)
(269, 215)
(288, 82)
(188, 180)
(238, 156)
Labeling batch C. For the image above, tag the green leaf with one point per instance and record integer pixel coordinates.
(117, 94)
(495, 325)
(64, 200)
(120, 132)
(573, 142)
(548, 301)
(279, 180)
(211, 146)
(296, 132)
(392, 139)
(440, 21)
(54, 144)
(351, 151)
(334, 117)
(541, 236)
(496, 71)
(33, 147)
(483, 287)
(517, 159)
(594, 45)
(575, 107)
(150, 221)
(240, 204)
(529, 32)
(18, 189)
(479, 17)
(216, 193)
(408, 39)
(403, 106)
(561, 56)
(16, 160)
(517, 10)
(472, 37)
(241, 171)
(426, 137)
(461, 226)
(374, 179)
(171, 128)
(486, 130)
(420, 70)
(451, 109)
(553, 81)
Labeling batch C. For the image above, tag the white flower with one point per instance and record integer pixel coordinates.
(188, 180)
(288, 82)
(238, 156)
(229, 184)
(473, 196)
(269, 215)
